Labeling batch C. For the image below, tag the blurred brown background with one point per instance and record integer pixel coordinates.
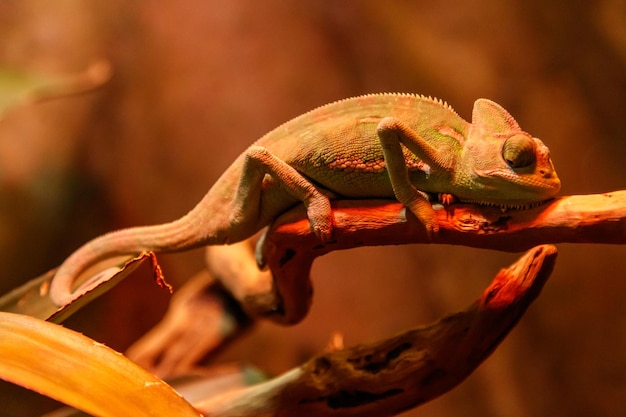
(195, 82)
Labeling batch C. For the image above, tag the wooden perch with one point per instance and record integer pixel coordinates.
(201, 319)
(290, 247)
(390, 376)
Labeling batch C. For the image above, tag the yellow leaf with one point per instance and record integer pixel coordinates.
(71, 368)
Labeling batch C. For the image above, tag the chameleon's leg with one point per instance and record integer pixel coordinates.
(259, 162)
(391, 133)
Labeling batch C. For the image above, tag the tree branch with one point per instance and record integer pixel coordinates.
(289, 247)
(393, 375)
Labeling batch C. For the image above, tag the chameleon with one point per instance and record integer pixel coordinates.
(407, 147)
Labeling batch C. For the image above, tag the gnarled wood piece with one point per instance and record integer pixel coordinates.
(289, 247)
(201, 319)
(387, 377)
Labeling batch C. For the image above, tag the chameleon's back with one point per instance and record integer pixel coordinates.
(339, 140)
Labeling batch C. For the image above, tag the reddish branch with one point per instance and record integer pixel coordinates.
(393, 375)
(389, 376)
(290, 246)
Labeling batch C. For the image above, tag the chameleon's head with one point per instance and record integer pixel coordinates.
(504, 165)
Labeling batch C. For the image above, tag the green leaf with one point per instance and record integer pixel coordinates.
(18, 87)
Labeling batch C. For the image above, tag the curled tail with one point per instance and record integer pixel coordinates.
(169, 237)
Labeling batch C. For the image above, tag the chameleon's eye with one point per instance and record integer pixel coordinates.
(519, 151)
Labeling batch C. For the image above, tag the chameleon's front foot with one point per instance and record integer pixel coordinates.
(423, 210)
(392, 133)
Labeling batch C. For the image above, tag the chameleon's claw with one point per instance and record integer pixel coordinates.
(320, 217)
(432, 228)
(424, 212)
(322, 227)
(446, 198)
(324, 233)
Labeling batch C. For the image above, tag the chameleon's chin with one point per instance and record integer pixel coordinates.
(516, 197)
(509, 205)
(505, 189)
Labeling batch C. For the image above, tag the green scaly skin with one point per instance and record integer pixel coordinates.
(374, 146)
